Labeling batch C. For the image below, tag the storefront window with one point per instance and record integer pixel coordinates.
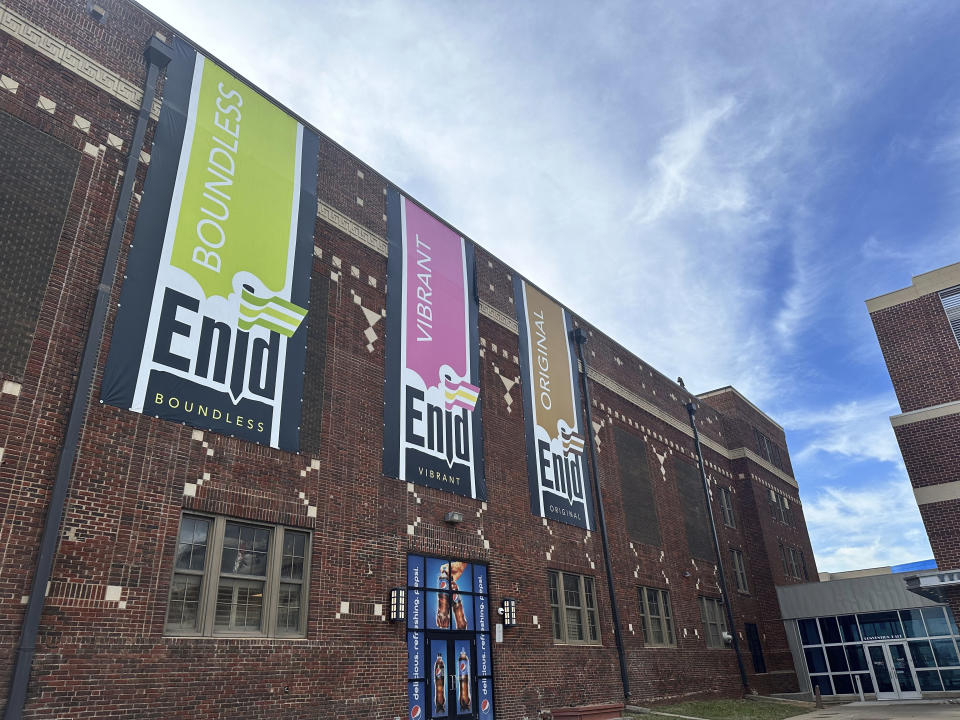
(880, 626)
(936, 621)
(849, 628)
(912, 623)
(809, 633)
(837, 661)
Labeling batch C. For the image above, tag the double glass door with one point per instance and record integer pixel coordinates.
(451, 682)
(893, 675)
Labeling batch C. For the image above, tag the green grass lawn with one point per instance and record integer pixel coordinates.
(731, 710)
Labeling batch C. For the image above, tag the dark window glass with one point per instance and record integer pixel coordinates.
(726, 506)
(945, 652)
(866, 682)
(808, 632)
(555, 606)
(822, 682)
(880, 626)
(591, 607)
(912, 623)
(936, 621)
(837, 659)
(849, 629)
(922, 654)
(829, 630)
(953, 625)
(951, 679)
(843, 685)
(856, 658)
(929, 680)
(816, 662)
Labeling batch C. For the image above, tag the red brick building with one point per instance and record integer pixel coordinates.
(918, 328)
(142, 616)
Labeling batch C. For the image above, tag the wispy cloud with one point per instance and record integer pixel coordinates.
(870, 527)
(857, 430)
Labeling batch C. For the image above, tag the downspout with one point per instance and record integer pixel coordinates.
(579, 337)
(691, 410)
(157, 54)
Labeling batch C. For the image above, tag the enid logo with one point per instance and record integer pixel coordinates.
(210, 327)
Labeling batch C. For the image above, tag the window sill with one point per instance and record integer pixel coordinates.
(275, 638)
(559, 643)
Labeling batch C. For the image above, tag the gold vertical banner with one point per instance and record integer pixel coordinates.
(553, 417)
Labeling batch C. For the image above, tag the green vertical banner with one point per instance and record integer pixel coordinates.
(213, 316)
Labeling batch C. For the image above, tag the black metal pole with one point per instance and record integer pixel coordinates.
(691, 410)
(579, 337)
(158, 55)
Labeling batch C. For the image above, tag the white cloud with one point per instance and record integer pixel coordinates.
(868, 527)
(856, 430)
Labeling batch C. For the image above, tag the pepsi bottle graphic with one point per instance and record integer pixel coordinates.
(443, 601)
(439, 683)
(463, 674)
(458, 614)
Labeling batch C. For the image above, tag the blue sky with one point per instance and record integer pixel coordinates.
(741, 176)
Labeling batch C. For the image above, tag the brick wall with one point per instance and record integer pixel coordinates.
(102, 652)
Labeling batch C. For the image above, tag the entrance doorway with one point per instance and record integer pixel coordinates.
(449, 670)
(452, 683)
(893, 675)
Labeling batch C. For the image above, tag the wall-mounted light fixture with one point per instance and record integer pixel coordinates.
(509, 611)
(453, 517)
(398, 604)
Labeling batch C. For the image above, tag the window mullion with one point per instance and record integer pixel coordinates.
(271, 585)
(212, 578)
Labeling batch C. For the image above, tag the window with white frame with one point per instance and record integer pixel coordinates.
(238, 578)
(739, 570)
(714, 622)
(573, 604)
(656, 618)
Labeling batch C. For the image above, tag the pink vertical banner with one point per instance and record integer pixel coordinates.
(432, 433)
(435, 298)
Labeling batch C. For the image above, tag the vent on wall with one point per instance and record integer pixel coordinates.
(951, 306)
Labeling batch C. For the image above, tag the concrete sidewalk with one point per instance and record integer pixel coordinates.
(878, 710)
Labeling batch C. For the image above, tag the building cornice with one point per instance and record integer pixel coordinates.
(927, 413)
(928, 282)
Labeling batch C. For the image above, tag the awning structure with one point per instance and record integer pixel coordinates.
(934, 585)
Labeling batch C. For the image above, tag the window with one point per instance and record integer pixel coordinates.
(739, 570)
(573, 603)
(238, 578)
(792, 561)
(714, 623)
(780, 508)
(768, 449)
(950, 299)
(726, 507)
(656, 618)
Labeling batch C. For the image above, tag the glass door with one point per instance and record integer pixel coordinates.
(451, 685)
(897, 653)
(892, 673)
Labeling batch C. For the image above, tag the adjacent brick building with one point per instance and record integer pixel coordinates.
(918, 328)
(122, 635)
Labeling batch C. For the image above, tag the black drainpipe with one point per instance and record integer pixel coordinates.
(691, 410)
(157, 54)
(579, 337)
